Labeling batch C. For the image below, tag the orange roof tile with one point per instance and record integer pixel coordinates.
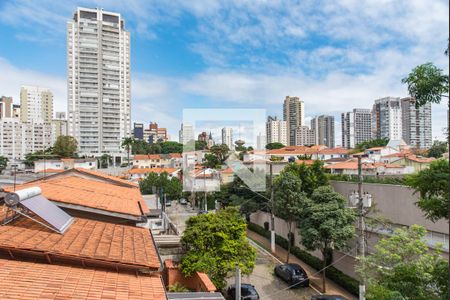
(349, 165)
(175, 155)
(90, 193)
(227, 171)
(51, 171)
(84, 239)
(106, 176)
(333, 151)
(152, 170)
(376, 148)
(420, 159)
(307, 162)
(31, 280)
(296, 150)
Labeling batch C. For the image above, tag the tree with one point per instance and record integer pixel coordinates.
(173, 188)
(370, 144)
(271, 146)
(139, 147)
(215, 243)
(30, 158)
(171, 147)
(288, 201)
(3, 163)
(127, 143)
(220, 151)
(437, 149)
(326, 224)
(432, 186)
(200, 145)
(311, 176)
(105, 160)
(403, 267)
(211, 161)
(65, 146)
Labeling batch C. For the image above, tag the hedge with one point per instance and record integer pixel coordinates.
(347, 282)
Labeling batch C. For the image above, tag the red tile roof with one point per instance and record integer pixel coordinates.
(307, 162)
(31, 280)
(51, 171)
(333, 151)
(420, 159)
(175, 155)
(152, 170)
(117, 244)
(90, 193)
(296, 150)
(102, 175)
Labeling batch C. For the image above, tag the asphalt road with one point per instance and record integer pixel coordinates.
(179, 214)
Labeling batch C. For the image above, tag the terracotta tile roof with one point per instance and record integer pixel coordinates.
(146, 156)
(333, 151)
(397, 154)
(51, 171)
(31, 280)
(296, 150)
(152, 170)
(108, 177)
(420, 159)
(307, 162)
(227, 171)
(90, 193)
(349, 165)
(376, 148)
(85, 239)
(175, 155)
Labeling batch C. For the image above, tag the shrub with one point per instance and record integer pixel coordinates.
(347, 282)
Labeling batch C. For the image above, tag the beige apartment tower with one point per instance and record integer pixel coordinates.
(294, 115)
(36, 104)
(98, 81)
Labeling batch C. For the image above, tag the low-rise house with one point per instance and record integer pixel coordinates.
(291, 152)
(330, 153)
(64, 164)
(146, 161)
(139, 174)
(226, 176)
(408, 159)
(350, 167)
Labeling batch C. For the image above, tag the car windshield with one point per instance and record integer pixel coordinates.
(298, 271)
(245, 291)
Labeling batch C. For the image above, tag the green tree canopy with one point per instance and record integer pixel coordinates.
(211, 161)
(30, 158)
(271, 146)
(437, 149)
(65, 146)
(215, 243)
(370, 144)
(171, 147)
(221, 151)
(200, 145)
(127, 144)
(311, 176)
(3, 163)
(427, 84)
(403, 267)
(326, 223)
(155, 182)
(288, 201)
(105, 160)
(432, 186)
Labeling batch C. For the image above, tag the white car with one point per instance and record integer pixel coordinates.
(183, 201)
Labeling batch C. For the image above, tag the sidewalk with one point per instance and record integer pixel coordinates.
(315, 280)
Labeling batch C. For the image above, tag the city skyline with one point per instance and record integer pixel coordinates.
(335, 72)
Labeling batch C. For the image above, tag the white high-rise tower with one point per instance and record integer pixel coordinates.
(98, 81)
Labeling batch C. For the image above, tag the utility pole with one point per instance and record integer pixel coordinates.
(237, 283)
(361, 225)
(204, 188)
(272, 218)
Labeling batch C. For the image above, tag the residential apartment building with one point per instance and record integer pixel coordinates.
(387, 118)
(186, 133)
(304, 136)
(294, 115)
(18, 139)
(138, 131)
(416, 124)
(356, 127)
(227, 137)
(261, 142)
(202, 137)
(98, 76)
(323, 127)
(6, 107)
(277, 131)
(36, 104)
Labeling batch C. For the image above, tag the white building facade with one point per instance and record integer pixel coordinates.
(36, 104)
(304, 136)
(416, 124)
(276, 131)
(323, 127)
(387, 118)
(227, 137)
(98, 78)
(356, 127)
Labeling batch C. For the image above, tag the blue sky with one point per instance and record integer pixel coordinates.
(335, 55)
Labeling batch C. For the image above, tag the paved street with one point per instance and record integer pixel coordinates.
(267, 284)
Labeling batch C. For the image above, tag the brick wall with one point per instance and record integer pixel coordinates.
(198, 282)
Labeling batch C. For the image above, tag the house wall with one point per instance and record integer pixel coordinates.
(198, 282)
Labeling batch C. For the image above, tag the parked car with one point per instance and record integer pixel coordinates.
(168, 203)
(292, 274)
(248, 292)
(328, 297)
(202, 212)
(183, 201)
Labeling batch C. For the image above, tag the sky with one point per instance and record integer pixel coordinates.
(334, 55)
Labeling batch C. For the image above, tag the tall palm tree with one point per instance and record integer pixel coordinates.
(127, 143)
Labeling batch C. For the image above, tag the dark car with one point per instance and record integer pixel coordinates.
(327, 297)
(202, 212)
(292, 274)
(248, 292)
